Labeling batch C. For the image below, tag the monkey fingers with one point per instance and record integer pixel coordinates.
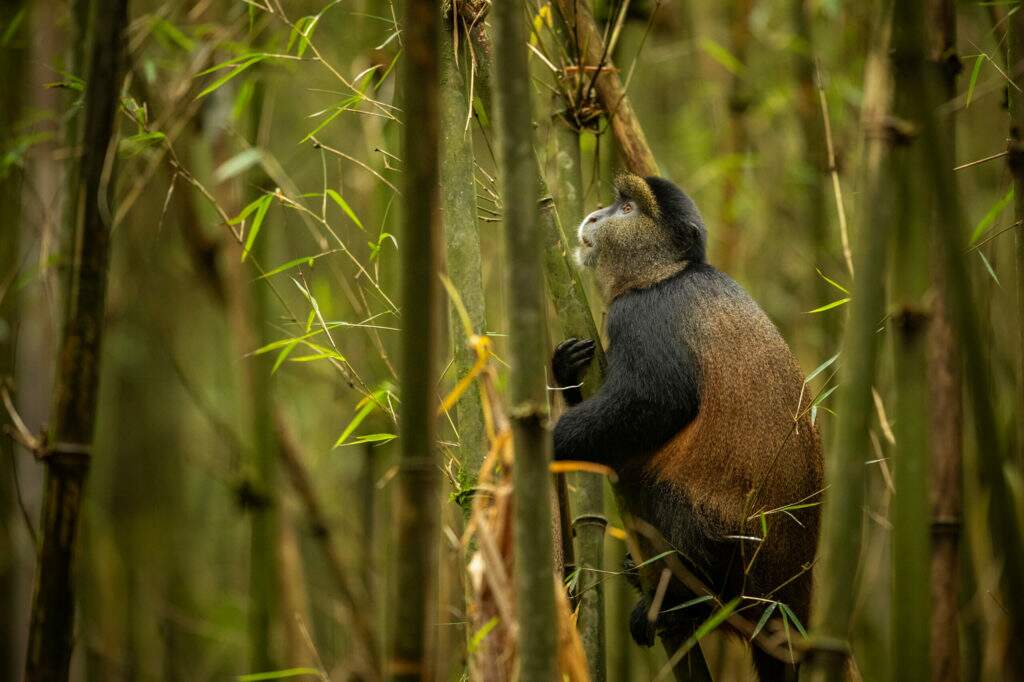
(570, 360)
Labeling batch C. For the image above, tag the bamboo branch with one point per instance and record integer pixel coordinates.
(538, 641)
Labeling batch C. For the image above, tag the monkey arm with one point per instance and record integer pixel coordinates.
(649, 395)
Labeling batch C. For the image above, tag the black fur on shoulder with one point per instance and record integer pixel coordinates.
(652, 388)
(679, 215)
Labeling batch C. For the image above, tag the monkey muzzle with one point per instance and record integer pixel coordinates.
(587, 233)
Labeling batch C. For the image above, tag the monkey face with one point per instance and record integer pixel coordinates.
(596, 231)
(633, 243)
(621, 235)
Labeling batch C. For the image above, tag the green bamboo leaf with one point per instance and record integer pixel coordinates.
(655, 558)
(246, 212)
(821, 368)
(793, 619)
(764, 619)
(371, 438)
(234, 72)
(346, 208)
(689, 603)
(281, 343)
(12, 27)
(173, 35)
(364, 408)
(975, 72)
(481, 634)
(721, 55)
(988, 266)
(257, 222)
(283, 355)
(237, 164)
(278, 674)
(234, 61)
(990, 217)
(338, 111)
(834, 283)
(830, 306)
(308, 260)
(821, 398)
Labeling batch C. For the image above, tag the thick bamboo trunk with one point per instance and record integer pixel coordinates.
(836, 572)
(417, 506)
(12, 69)
(737, 141)
(814, 209)
(77, 383)
(910, 323)
(264, 565)
(1016, 158)
(945, 392)
(534, 578)
(589, 522)
(458, 208)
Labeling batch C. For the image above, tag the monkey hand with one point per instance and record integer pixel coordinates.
(570, 361)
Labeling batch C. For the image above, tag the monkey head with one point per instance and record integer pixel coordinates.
(650, 232)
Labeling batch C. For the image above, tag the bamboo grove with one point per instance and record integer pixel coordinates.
(280, 284)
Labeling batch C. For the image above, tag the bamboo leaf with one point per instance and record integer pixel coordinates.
(234, 72)
(283, 355)
(721, 54)
(371, 438)
(257, 222)
(346, 208)
(975, 72)
(834, 283)
(990, 217)
(365, 407)
(764, 619)
(237, 164)
(689, 603)
(279, 674)
(793, 619)
(481, 634)
(822, 367)
(830, 306)
(988, 266)
(308, 260)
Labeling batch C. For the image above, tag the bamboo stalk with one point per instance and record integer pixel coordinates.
(264, 563)
(527, 386)
(353, 597)
(1015, 159)
(569, 298)
(70, 448)
(13, 63)
(836, 573)
(945, 401)
(458, 207)
(911, 321)
(417, 507)
(737, 141)
(814, 214)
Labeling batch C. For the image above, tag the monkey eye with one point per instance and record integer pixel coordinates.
(627, 207)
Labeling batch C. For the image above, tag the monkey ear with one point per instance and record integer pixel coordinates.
(634, 187)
